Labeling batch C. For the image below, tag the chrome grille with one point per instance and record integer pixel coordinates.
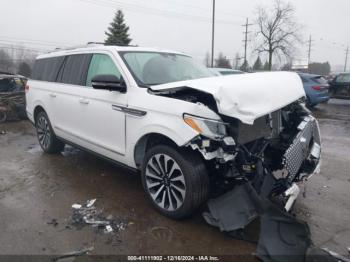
(300, 148)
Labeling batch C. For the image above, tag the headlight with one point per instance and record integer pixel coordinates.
(207, 127)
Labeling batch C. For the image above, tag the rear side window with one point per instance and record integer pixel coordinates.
(343, 78)
(47, 69)
(320, 80)
(75, 69)
(101, 64)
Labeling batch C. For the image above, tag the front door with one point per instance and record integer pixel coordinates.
(103, 124)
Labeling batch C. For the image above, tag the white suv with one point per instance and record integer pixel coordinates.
(192, 135)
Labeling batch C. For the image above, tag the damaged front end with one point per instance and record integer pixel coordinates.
(280, 149)
(255, 172)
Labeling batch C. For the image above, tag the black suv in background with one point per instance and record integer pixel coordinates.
(12, 97)
(340, 86)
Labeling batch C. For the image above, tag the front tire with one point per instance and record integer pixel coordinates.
(176, 181)
(47, 138)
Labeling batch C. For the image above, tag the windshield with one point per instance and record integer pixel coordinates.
(153, 68)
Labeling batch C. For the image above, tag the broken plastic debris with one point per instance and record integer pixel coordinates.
(337, 256)
(87, 214)
(109, 229)
(76, 206)
(2, 132)
(231, 211)
(90, 203)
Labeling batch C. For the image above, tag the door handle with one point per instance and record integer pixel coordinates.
(84, 101)
(53, 95)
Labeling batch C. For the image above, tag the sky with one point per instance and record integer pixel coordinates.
(182, 25)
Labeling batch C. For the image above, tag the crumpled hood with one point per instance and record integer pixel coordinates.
(246, 96)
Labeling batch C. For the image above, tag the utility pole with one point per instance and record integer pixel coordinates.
(309, 51)
(309, 54)
(213, 36)
(346, 58)
(246, 25)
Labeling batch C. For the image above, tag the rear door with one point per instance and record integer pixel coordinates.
(65, 99)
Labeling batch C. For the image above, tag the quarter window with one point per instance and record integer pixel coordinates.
(101, 64)
(47, 69)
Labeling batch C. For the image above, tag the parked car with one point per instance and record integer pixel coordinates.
(340, 86)
(160, 113)
(12, 97)
(225, 71)
(316, 89)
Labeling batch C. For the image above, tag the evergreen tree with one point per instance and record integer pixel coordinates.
(266, 66)
(24, 69)
(118, 31)
(222, 61)
(245, 66)
(257, 65)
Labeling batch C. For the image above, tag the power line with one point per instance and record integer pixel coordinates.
(31, 41)
(246, 25)
(2, 46)
(208, 11)
(154, 11)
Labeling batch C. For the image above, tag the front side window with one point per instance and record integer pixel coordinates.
(154, 68)
(101, 64)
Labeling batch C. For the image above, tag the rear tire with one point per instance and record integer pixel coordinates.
(46, 136)
(175, 180)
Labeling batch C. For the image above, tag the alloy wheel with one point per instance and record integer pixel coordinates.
(165, 182)
(44, 133)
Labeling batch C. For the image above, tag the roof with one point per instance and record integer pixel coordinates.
(308, 75)
(225, 69)
(2, 76)
(101, 47)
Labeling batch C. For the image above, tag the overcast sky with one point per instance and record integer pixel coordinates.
(182, 25)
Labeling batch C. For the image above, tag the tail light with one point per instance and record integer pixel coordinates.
(26, 88)
(317, 88)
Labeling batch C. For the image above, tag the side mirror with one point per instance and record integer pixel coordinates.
(108, 82)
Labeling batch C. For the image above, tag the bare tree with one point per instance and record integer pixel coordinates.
(277, 32)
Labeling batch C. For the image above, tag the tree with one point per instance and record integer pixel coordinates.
(257, 65)
(320, 68)
(222, 61)
(24, 69)
(277, 31)
(237, 59)
(207, 59)
(266, 66)
(245, 66)
(6, 63)
(118, 32)
(286, 67)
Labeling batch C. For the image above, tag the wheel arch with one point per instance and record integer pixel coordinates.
(37, 109)
(147, 141)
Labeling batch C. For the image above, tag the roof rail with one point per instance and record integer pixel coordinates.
(87, 45)
(75, 47)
